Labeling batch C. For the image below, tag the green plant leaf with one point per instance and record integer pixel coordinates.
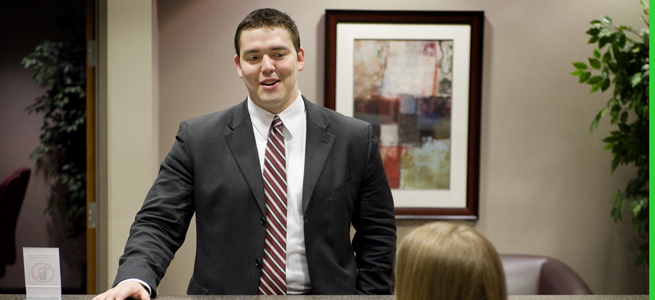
(595, 80)
(612, 37)
(607, 57)
(584, 77)
(607, 19)
(593, 31)
(622, 61)
(592, 40)
(596, 53)
(635, 79)
(594, 63)
(576, 73)
(580, 65)
(622, 40)
(605, 84)
(624, 116)
(636, 208)
(593, 125)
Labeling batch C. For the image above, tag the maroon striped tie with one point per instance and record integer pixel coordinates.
(273, 280)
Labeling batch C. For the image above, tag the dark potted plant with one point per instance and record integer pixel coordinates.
(61, 154)
(621, 61)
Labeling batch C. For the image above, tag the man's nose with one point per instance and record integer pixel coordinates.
(267, 64)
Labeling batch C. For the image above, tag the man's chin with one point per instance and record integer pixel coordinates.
(273, 105)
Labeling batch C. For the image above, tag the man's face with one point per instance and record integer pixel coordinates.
(269, 65)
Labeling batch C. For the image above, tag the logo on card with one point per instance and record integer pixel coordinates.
(43, 273)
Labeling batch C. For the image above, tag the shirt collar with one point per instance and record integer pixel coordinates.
(290, 117)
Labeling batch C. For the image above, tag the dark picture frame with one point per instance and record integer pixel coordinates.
(464, 30)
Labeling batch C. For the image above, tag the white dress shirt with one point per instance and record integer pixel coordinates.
(294, 119)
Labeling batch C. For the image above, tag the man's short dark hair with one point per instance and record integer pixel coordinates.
(267, 17)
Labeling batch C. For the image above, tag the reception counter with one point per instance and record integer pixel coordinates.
(312, 297)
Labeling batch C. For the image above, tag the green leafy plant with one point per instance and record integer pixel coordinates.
(621, 61)
(61, 153)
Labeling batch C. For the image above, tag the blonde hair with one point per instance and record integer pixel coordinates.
(448, 261)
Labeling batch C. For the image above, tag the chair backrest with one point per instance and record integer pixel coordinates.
(12, 193)
(541, 275)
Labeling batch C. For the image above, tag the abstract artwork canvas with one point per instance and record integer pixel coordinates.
(403, 88)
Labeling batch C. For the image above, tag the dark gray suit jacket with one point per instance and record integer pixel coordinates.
(213, 171)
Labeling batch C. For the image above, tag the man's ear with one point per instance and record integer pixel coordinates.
(236, 61)
(301, 59)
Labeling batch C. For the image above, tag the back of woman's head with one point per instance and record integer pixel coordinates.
(448, 261)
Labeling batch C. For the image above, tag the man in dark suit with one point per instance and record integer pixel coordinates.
(274, 204)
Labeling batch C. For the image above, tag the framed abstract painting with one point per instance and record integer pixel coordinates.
(416, 77)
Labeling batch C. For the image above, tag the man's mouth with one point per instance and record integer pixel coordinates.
(268, 82)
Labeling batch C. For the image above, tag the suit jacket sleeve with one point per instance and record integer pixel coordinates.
(160, 226)
(374, 221)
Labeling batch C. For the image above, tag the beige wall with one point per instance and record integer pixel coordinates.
(127, 123)
(545, 181)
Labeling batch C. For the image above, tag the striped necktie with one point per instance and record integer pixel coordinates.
(273, 280)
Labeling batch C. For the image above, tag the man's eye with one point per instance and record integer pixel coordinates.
(252, 58)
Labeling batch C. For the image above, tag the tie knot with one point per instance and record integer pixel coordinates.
(276, 122)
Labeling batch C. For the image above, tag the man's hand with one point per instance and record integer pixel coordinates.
(127, 289)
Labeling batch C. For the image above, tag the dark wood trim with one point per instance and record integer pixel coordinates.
(91, 271)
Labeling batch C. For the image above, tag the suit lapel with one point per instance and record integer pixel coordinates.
(319, 143)
(241, 140)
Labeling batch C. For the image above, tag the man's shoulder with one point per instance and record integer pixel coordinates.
(339, 120)
(216, 118)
